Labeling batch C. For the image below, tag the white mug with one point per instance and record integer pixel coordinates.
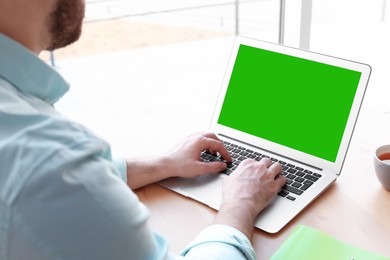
(382, 165)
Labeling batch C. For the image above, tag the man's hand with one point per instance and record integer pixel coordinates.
(186, 157)
(183, 161)
(247, 191)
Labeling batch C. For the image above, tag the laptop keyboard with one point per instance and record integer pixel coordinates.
(298, 178)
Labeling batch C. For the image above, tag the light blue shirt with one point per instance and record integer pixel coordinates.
(62, 196)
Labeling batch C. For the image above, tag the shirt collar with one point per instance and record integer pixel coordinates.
(28, 73)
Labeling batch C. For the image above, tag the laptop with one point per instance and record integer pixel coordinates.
(298, 108)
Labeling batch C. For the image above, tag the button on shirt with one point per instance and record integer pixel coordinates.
(62, 196)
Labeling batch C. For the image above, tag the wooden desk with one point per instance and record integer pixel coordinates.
(145, 101)
(180, 219)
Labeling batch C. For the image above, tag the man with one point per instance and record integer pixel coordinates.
(62, 196)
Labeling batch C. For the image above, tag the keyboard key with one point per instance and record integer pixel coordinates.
(291, 170)
(227, 171)
(252, 156)
(206, 156)
(213, 159)
(296, 184)
(243, 153)
(283, 193)
(305, 187)
(291, 176)
(310, 177)
(317, 175)
(292, 189)
(290, 198)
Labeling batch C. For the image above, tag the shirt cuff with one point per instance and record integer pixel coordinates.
(121, 168)
(221, 241)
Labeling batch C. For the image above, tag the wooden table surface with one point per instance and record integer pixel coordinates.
(180, 219)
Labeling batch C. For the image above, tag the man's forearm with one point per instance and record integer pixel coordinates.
(141, 172)
(237, 218)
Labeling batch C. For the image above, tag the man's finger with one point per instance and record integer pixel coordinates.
(212, 167)
(280, 181)
(266, 161)
(275, 169)
(216, 146)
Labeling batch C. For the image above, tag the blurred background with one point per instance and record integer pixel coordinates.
(137, 47)
(327, 26)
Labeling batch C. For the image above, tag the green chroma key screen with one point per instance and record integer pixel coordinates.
(291, 101)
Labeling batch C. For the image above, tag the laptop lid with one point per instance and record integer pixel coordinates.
(295, 103)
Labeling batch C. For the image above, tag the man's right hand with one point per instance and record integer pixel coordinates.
(247, 191)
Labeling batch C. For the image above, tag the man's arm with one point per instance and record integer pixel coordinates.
(184, 161)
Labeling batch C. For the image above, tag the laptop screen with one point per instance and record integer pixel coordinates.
(291, 101)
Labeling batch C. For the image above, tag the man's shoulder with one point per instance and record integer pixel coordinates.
(37, 146)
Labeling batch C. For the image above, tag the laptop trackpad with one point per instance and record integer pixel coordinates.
(206, 189)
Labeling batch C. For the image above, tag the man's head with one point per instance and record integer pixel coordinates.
(42, 24)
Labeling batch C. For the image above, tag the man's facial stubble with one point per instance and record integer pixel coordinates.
(65, 23)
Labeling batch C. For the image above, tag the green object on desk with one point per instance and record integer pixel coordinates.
(308, 243)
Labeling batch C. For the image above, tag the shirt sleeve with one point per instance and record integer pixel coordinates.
(121, 170)
(220, 242)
